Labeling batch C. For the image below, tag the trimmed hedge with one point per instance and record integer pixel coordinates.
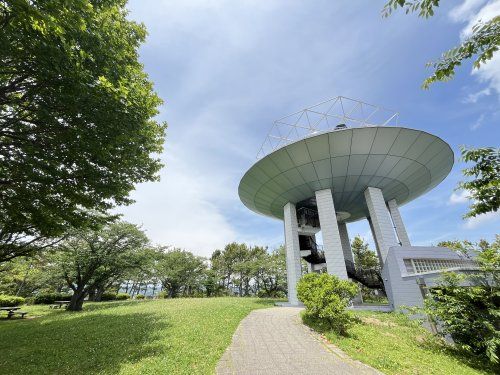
(7, 301)
(140, 296)
(46, 298)
(109, 296)
(122, 296)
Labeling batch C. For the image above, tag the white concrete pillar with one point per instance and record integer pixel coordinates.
(335, 264)
(373, 235)
(346, 243)
(397, 220)
(383, 231)
(293, 265)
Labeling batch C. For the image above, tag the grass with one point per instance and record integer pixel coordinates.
(394, 344)
(180, 336)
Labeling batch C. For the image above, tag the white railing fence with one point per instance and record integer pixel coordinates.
(324, 117)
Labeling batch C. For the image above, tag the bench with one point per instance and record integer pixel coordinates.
(11, 313)
(22, 313)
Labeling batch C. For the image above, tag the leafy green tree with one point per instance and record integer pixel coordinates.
(139, 278)
(25, 276)
(227, 264)
(467, 306)
(181, 272)
(363, 257)
(77, 127)
(249, 270)
(484, 188)
(482, 43)
(88, 259)
(271, 275)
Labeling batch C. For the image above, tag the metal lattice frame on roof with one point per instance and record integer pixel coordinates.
(325, 117)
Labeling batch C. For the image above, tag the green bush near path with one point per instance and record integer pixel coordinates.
(326, 298)
(396, 345)
(167, 336)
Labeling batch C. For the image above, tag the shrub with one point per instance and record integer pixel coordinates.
(122, 296)
(110, 296)
(470, 314)
(140, 296)
(271, 294)
(46, 298)
(162, 294)
(326, 298)
(6, 300)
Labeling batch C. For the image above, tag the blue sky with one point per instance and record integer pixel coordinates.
(227, 69)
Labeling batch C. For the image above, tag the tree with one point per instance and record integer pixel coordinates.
(483, 42)
(25, 276)
(364, 258)
(180, 271)
(77, 127)
(271, 278)
(484, 188)
(89, 259)
(467, 306)
(248, 270)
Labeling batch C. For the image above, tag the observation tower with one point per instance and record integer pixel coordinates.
(337, 162)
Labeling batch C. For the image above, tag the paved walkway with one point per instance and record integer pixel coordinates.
(274, 341)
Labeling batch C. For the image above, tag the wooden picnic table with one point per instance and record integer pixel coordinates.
(11, 310)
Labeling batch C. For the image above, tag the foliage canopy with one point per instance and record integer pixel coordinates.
(484, 188)
(77, 127)
(482, 43)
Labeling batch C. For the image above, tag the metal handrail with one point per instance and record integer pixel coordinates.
(323, 117)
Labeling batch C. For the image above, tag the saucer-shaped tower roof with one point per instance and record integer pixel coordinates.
(345, 145)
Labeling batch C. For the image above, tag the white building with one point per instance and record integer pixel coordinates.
(338, 162)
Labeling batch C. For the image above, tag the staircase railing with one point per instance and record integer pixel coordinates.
(307, 216)
(368, 277)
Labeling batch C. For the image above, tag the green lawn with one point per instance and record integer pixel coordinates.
(180, 336)
(394, 344)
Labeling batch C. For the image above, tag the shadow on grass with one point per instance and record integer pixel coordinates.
(95, 306)
(322, 326)
(269, 301)
(437, 344)
(78, 344)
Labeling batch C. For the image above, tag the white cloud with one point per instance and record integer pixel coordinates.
(478, 123)
(227, 70)
(460, 198)
(489, 73)
(472, 12)
(484, 14)
(475, 222)
(474, 97)
(466, 10)
(182, 213)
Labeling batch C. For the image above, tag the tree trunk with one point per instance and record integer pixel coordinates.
(76, 302)
(98, 294)
(92, 294)
(247, 285)
(126, 287)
